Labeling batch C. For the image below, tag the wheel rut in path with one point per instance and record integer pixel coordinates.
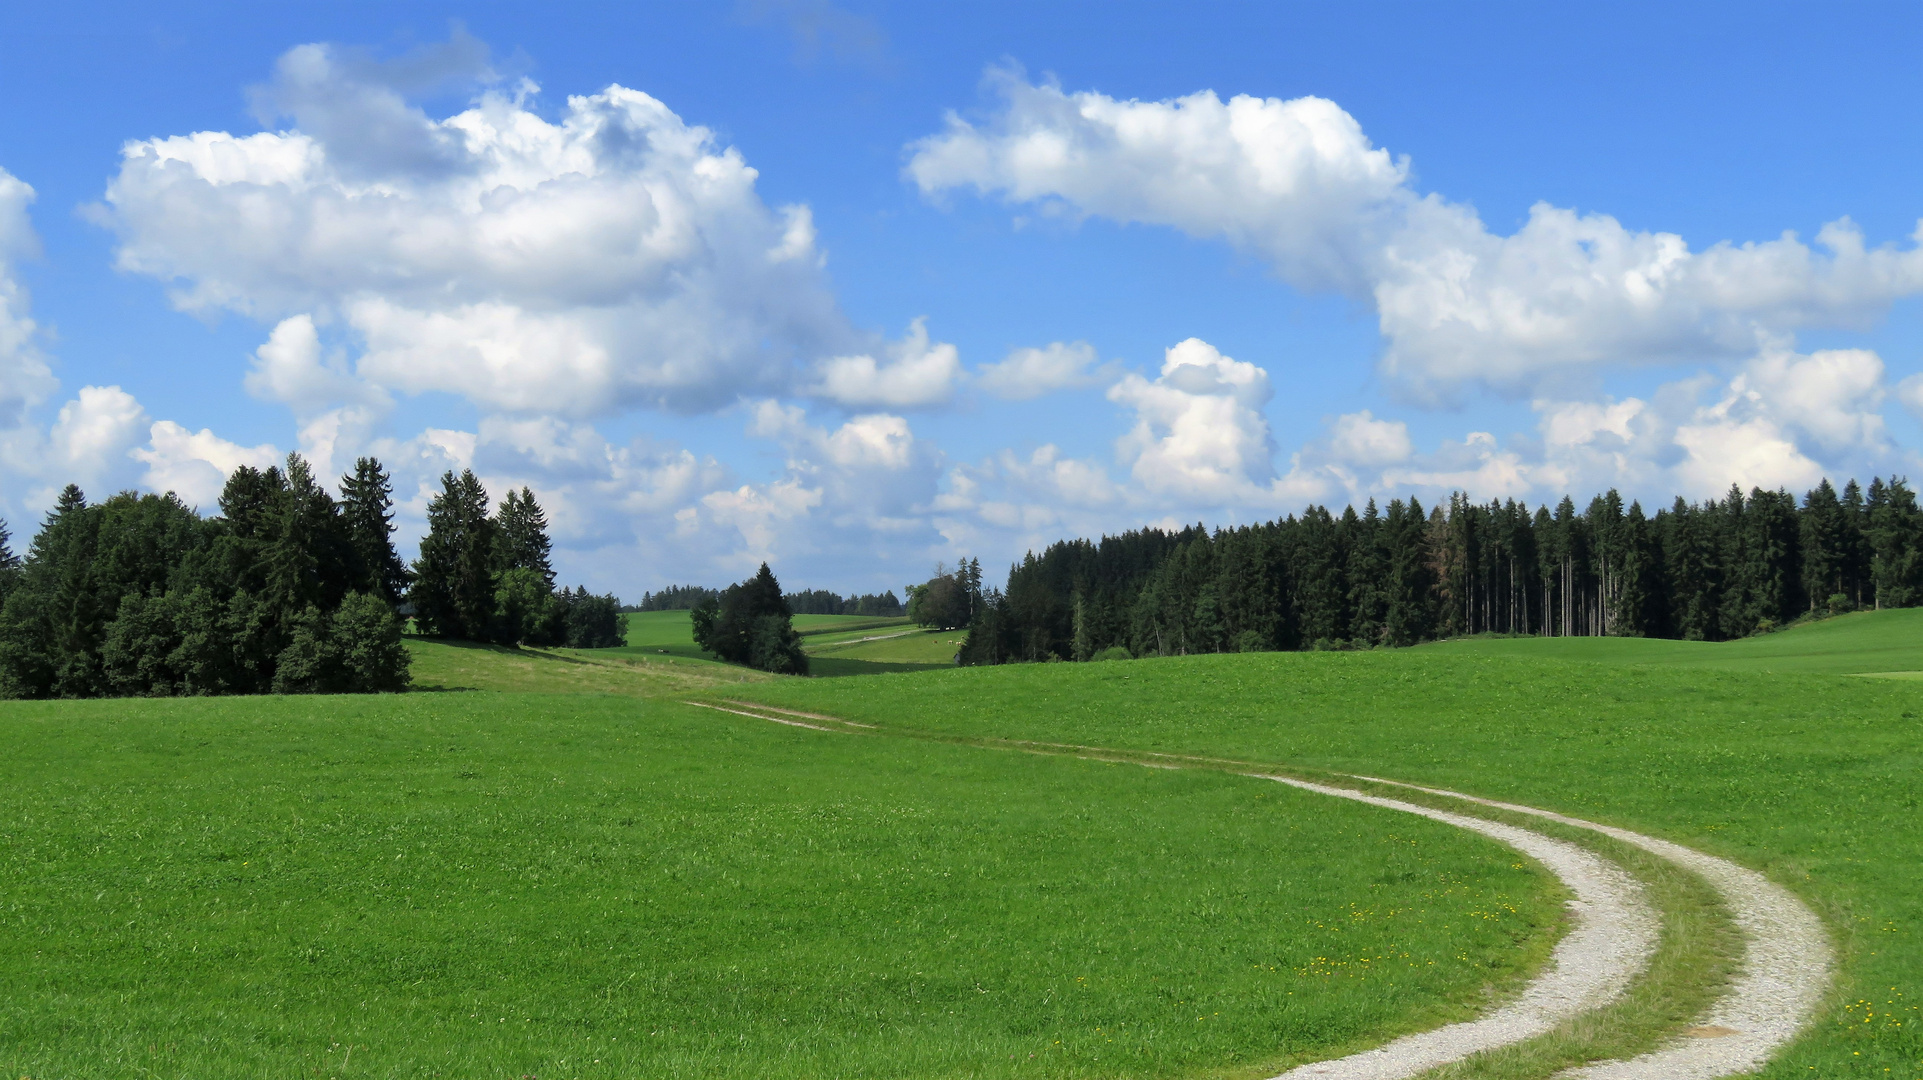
(1614, 935)
(1785, 973)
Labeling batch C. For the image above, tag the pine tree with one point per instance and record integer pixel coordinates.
(1639, 593)
(1368, 575)
(751, 624)
(521, 536)
(305, 563)
(454, 580)
(1896, 544)
(1825, 543)
(367, 512)
(1856, 547)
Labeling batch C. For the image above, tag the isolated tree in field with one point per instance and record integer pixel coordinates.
(751, 624)
(367, 511)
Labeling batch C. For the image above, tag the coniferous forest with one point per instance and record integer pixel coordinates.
(1707, 571)
(483, 577)
(286, 590)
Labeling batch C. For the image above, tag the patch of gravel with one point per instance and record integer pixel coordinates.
(1614, 936)
(1786, 967)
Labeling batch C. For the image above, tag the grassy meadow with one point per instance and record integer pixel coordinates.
(543, 864)
(497, 880)
(1764, 750)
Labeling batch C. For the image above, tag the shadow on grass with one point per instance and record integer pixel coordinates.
(824, 667)
(830, 667)
(508, 650)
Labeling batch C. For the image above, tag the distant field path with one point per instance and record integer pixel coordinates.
(1786, 970)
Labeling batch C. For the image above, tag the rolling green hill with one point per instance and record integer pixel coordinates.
(1736, 749)
(514, 884)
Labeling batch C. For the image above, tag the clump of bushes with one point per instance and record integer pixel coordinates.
(751, 624)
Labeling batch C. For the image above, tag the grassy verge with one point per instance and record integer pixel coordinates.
(1814, 779)
(476, 884)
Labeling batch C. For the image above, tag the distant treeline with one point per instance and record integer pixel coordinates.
(288, 590)
(823, 602)
(811, 602)
(674, 598)
(1706, 571)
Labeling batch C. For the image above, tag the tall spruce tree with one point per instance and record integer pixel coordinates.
(454, 579)
(1896, 546)
(367, 512)
(521, 537)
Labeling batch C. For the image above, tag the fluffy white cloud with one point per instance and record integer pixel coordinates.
(195, 464)
(1199, 433)
(759, 514)
(25, 379)
(1476, 464)
(1295, 180)
(1298, 183)
(1834, 396)
(1030, 372)
(611, 257)
(915, 372)
(290, 368)
(1910, 393)
(92, 434)
(1361, 439)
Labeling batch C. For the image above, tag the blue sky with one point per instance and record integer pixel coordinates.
(951, 280)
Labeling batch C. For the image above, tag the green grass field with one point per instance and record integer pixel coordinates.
(1738, 749)
(515, 884)
(1867, 642)
(543, 864)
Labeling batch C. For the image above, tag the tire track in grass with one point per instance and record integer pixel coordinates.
(1614, 935)
(1785, 973)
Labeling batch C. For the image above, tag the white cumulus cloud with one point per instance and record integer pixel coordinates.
(913, 372)
(195, 464)
(1199, 433)
(1031, 372)
(611, 256)
(1298, 183)
(25, 379)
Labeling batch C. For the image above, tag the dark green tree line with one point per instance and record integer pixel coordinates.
(286, 591)
(1709, 571)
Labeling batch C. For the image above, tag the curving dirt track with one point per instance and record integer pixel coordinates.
(1614, 935)
(1785, 974)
